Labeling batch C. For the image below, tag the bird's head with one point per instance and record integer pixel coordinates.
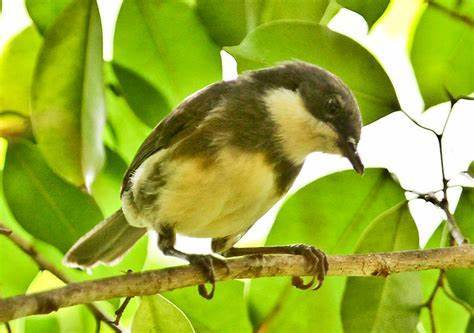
(316, 109)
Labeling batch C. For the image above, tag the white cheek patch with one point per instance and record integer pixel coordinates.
(299, 132)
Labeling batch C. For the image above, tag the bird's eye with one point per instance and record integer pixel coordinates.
(332, 104)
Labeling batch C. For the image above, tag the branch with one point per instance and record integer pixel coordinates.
(158, 281)
(44, 264)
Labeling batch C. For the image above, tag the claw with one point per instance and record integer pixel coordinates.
(206, 264)
(318, 264)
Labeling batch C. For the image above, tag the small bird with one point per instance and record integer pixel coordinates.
(222, 159)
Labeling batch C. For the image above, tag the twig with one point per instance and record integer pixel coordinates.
(158, 281)
(44, 264)
(463, 18)
(8, 327)
(121, 309)
(429, 303)
(5, 231)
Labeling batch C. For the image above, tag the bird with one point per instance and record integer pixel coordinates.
(221, 159)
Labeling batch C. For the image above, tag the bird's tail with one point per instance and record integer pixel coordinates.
(106, 243)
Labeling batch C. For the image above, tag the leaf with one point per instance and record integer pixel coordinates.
(164, 42)
(246, 15)
(44, 12)
(321, 46)
(17, 61)
(123, 139)
(371, 10)
(157, 314)
(442, 54)
(225, 313)
(391, 304)
(106, 188)
(470, 170)
(46, 206)
(147, 103)
(68, 116)
(313, 215)
(462, 280)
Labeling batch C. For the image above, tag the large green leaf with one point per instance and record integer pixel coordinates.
(461, 281)
(313, 215)
(371, 10)
(147, 103)
(68, 102)
(123, 139)
(44, 12)
(17, 60)
(289, 40)
(229, 21)
(157, 314)
(385, 304)
(442, 53)
(164, 42)
(46, 206)
(225, 313)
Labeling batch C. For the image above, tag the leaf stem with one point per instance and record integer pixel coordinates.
(44, 264)
(429, 303)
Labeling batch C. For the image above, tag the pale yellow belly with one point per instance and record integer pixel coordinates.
(219, 200)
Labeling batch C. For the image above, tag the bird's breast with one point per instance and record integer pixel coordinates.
(217, 199)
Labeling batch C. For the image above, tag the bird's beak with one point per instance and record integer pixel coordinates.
(353, 156)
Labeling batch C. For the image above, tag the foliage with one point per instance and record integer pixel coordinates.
(72, 123)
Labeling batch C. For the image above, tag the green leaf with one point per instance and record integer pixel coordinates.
(106, 188)
(470, 170)
(46, 206)
(173, 52)
(391, 304)
(246, 15)
(44, 12)
(157, 314)
(226, 313)
(147, 103)
(123, 139)
(17, 61)
(371, 10)
(442, 53)
(313, 215)
(461, 281)
(321, 46)
(68, 116)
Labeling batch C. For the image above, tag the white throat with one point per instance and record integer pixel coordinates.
(299, 132)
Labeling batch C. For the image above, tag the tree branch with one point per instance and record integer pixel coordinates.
(157, 281)
(44, 264)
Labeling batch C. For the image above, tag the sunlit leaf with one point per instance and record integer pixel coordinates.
(371, 10)
(17, 61)
(147, 103)
(157, 314)
(461, 281)
(275, 42)
(226, 313)
(68, 116)
(313, 215)
(124, 139)
(46, 206)
(165, 43)
(442, 52)
(385, 304)
(229, 21)
(44, 12)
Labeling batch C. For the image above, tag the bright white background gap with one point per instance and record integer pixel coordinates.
(392, 142)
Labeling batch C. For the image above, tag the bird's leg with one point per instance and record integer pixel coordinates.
(206, 262)
(316, 259)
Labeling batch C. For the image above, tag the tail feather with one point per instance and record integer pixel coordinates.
(106, 243)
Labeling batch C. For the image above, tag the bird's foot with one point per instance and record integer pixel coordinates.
(318, 265)
(206, 263)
